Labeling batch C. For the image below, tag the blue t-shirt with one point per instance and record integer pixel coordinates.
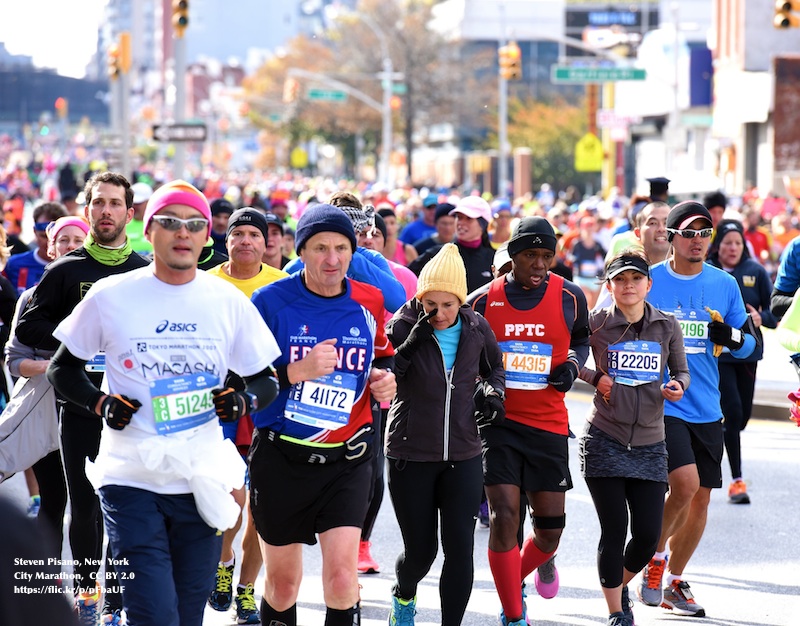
(415, 231)
(299, 319)
(788, 278)
(25, 270)
(686, 297)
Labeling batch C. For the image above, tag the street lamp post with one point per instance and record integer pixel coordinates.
(386, 110)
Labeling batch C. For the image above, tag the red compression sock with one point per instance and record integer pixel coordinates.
(505, 568)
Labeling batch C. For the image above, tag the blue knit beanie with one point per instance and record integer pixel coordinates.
(323, 218)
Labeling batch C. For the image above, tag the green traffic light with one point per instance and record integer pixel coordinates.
(44, 131)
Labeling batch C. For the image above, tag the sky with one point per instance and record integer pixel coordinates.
(60, 34)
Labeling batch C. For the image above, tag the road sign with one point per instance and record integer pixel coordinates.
(583, 75)
(326, 95)
(179, 132)
(608, 118)
(589, 154)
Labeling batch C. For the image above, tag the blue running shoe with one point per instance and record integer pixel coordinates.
(221, 597)
(403, 612)
(112, 619)
(88, 614)
(246, 610)
(34, 505)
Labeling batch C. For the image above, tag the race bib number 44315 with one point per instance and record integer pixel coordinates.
(527, 364)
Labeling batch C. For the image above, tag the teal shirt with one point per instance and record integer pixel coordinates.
(448, 342)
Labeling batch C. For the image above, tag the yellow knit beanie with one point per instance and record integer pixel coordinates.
(444, 272)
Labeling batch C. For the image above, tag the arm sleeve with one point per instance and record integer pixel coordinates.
(68, 376)
(579, 333)
(779, 302)
(375, 271)
(263, 386)
(768, 320)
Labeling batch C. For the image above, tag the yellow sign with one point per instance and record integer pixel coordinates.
(298, 158)
(588, 154)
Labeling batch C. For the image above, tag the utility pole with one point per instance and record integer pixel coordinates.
(180, 21)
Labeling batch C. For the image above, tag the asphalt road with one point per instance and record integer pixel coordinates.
(745, 571)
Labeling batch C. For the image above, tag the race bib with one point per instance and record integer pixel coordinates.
(325, 402)
(694, 325)
(635, 363)
(182, 402)
(527, 364)
(97, 363)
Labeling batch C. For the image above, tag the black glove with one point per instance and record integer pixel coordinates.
(118, 410)
(420, 333)
(722, 334)
(563, 376)
(489, 407)
(230, 404)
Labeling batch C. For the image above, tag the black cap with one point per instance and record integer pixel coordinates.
(625, 262)
(532, 232)
(658, 185)
(442, 210)
(684, 213)
(221, 205)
(248, 216)
(380, 224)
(274, 219)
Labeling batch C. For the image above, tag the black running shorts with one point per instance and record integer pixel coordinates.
(292, 502)
(531, 458)
(696, 444)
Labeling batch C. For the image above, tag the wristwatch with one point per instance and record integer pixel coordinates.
(253, 401)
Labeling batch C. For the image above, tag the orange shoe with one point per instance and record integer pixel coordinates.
(366, 564)
(737, 492)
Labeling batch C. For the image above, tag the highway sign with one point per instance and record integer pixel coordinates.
(179, 132)
(584, 75)
(326, 95)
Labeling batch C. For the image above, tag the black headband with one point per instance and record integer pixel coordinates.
(627, 262)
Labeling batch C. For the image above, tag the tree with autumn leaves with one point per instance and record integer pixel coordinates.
(443, 82)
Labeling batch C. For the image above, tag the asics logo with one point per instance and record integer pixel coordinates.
(175, 327)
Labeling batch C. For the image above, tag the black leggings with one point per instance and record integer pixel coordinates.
(80, 439)
(53, 490)
(378, 460)
(612, 497)
(421, 492)
(737, 384)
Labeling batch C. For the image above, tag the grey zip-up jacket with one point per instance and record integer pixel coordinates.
(432, 417)
(634, 416)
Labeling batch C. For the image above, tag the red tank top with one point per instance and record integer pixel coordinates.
(533, 342)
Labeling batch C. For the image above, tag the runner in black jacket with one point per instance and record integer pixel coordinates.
(106, 251)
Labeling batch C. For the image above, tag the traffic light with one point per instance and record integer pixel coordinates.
(125, 52)
(291, 89)
(510, 61)
(114, 68)
(784, 16)
(62, 108)
(180, 16)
